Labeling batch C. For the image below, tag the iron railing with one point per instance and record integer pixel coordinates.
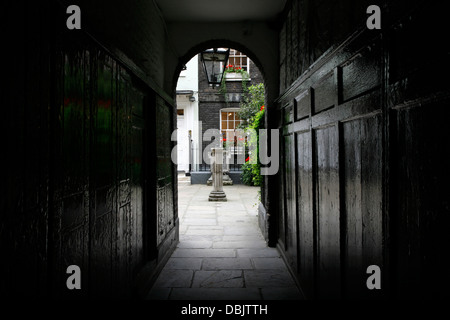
(232, 167)
(236, 158)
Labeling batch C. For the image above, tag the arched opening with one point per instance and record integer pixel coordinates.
(222, 43)
(222, 251)
(268, 79)
(205, 112)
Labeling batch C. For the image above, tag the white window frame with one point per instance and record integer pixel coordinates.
(233, 150)
(233, 76)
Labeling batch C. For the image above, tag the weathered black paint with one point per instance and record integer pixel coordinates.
(89, 179)
(369, 173)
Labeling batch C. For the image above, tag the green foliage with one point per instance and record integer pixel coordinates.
(251, 174)
(247, 174)
(223, 84)
(251, 103)
(252, 112)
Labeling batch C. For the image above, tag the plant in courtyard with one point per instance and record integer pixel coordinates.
(247, 174)
(232, 69)
(251, 173)
(251, 111)
(252, 101)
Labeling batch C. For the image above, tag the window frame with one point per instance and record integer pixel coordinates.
(234, 149)
(233, 76)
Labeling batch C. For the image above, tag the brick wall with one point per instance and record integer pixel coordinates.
(211, 101)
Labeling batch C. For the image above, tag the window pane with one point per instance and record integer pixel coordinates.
(231, 125)
(230, 115)
(236, 116)
(224, 125)
(237, 62)
(224, 115)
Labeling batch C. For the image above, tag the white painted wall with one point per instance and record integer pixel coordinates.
(188, 80)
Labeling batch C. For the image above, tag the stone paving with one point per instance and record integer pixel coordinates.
(222, 254)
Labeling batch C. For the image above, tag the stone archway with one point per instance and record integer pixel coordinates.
(266, 66)
(254, 39)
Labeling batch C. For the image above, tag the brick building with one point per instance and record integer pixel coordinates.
(218, 109)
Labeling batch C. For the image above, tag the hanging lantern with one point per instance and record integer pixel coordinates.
(214, 62)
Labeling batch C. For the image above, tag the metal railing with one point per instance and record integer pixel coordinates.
(232, 167)
(235, 158)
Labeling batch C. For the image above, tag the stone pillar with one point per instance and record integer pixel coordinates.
(217, 193)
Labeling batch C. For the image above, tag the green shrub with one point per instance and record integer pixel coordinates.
(253, 99)
(251, 173)
(247, 174)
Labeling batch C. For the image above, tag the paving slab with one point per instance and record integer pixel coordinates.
(195, 244)
(186, 237)
(199, 222)
(205, 227)
(226, 263)
(222, 254)
(205, 253)
(239, 244)
(204, 232)
(218, 279)
(184, 263)
(240, 230)
(268, 278)
(183, 229)
(269, 263)
(215, 294)
(200, 214)
(261, 252)
(256, 237)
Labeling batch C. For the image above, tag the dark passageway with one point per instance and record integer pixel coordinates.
(360, 115)
(222, 254)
